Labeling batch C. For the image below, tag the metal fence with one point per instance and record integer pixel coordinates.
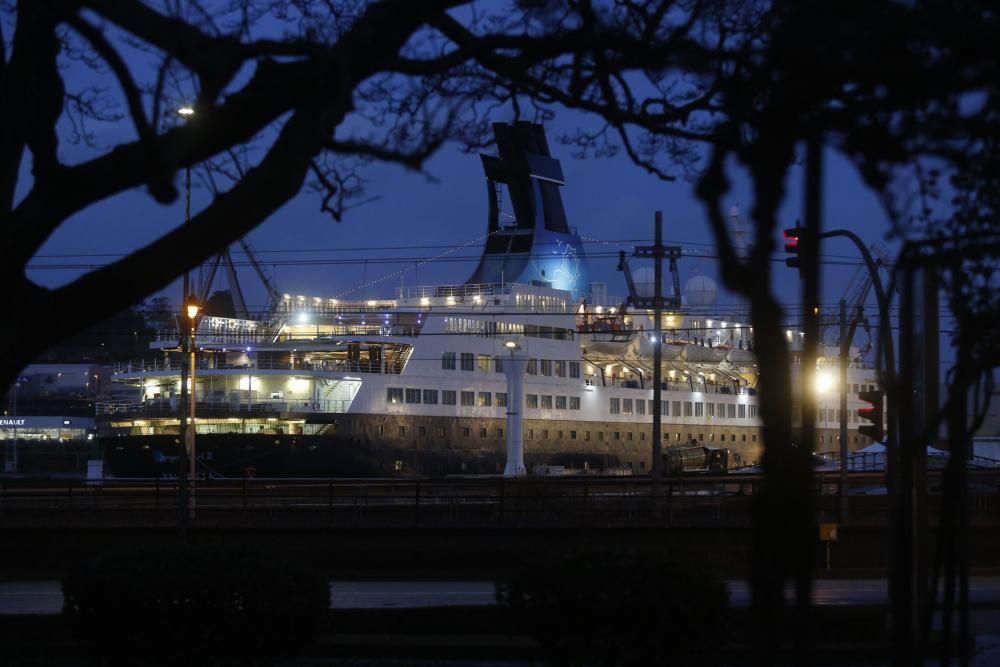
(598, 501)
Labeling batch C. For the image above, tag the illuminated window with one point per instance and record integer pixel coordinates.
(394, 395)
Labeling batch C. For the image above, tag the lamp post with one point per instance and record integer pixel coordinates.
(192, 313)
(186, 342)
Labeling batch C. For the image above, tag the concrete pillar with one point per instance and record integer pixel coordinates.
(515, 363)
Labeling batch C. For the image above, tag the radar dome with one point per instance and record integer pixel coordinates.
(645, 283)
(700, 291)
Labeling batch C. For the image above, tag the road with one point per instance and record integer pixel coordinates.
(45, 596)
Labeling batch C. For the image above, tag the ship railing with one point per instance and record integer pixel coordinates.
(393, 366)
(147, 365)
(462, 290)
(213, 407)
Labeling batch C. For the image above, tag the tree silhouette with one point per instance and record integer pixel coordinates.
(288, 96)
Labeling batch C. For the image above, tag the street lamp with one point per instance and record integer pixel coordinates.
(186, 341)
(192, 313)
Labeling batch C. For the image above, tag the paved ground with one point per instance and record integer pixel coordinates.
(45, 596)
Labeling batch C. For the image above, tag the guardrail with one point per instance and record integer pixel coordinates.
(584, 501)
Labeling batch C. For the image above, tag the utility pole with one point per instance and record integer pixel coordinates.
(658, 252)
(845, 343)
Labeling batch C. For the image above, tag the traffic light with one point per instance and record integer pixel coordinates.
(793, 246)
(872, 413)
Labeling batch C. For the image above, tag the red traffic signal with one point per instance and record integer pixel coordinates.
(793, 246)
(872, 413)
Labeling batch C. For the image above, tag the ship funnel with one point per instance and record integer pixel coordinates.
(529, 240)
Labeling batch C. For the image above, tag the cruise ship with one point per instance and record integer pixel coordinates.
(433, 381)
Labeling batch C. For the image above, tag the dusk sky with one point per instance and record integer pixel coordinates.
(607, 199)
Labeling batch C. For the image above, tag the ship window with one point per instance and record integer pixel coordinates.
(642, 465)
(559, 435)
(422, 431)
(600, 435)
(586, 435)
(574, 402)
(731, 411)
(627, 406)
(743, 411)
(753, 411)
(483, 361)
(676, 407)
(402, 430)
(482, 433)
(687, 408)
(743, 438)
(440, 431)
(574, 369)
(615, 406)
(561, 369)
(531, 400)
(618, 435)
(485, 399)
(560, 402)
(546, 402)
(381, 430)
(721, 411)
(498, 364)
(754, 437)
(628, 435)
(642, 435)
(466, 432)
(467, 361)
(412, 395)
(499, 432)
(501, 399)
(545, 434)
(530, 434)
(468, 398)
(532, 368)
(431, 396)
(447, 397)
(640, 406)
(711, 437)
(448, 361)
(394, 395)
(546, 367)
(572, 435)
(710, 409)
(699, 409)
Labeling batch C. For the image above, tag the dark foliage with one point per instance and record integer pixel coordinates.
(618, 608)
(195, 605)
